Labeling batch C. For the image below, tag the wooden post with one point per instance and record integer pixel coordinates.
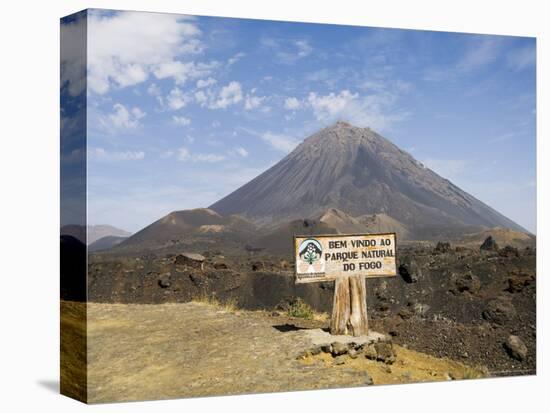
(322, 258)
(349, 307)
(341, 307)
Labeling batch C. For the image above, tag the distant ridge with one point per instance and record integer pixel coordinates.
(94, 232)
(181, 226)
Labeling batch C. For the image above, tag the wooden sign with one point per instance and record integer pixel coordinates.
(346, 259)
(327, 257)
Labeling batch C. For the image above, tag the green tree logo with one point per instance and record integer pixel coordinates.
(310, 256)
(310, 251)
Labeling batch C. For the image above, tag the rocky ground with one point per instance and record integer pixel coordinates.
(138, 352)
(471, 305)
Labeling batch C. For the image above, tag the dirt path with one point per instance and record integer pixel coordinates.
(138, 352)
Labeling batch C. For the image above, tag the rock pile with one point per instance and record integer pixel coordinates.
(489, 244)
(515, 348)
(190, 260)
(381, 351)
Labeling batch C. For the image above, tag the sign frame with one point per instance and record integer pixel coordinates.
(335, 277)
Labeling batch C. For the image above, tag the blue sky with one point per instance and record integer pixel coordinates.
(183, 110)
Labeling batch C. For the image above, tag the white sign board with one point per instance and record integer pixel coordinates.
(327, 257)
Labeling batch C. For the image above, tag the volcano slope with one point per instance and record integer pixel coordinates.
(359, 172)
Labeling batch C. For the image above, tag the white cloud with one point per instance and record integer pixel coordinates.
(304, 49)
(480, 52)
(331, 104)
(181, 120)
(122, 118)
(253, 102)
(374, 110)
(166, 154)
(206, 82)
(73, 62)
(208, 157)
(292, 103)
(235, 58)
(279, 142)
(181, 72)
(372, 85)
(100, 154)
(229, 95)
(154, 90)
(521, 58)
(502, 138)
(183, 154)
(201, 98)
(175, 69)
(125, 48)
(242, 152)
(287, 51)
(176, 99)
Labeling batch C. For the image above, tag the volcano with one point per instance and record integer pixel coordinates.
(360, 173)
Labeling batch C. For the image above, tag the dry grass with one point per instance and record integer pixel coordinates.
(410, 367)
(229, 305)
(300, 309)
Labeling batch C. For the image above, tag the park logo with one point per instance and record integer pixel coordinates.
(310, 257)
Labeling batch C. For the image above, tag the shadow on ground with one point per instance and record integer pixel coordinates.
(51, 385)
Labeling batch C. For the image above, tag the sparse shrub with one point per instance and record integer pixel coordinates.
(300, 309)
(471, 373)
(229, 305)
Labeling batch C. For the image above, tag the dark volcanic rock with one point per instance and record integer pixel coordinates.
(499, 311)
(465, 282)
(339, 348)
(164, 281)
(515, 348)
(434, 321)
(442, 247)
(257, 266)
(489, 244)
(405, 313)
(370, 351)
(517, 282)
(190, 259)
(220, 265)
(508, 252)
(198, 280)
(326, 348)
(410, 271)
(384, 352)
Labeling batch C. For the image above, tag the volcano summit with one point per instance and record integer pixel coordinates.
(359, 172)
